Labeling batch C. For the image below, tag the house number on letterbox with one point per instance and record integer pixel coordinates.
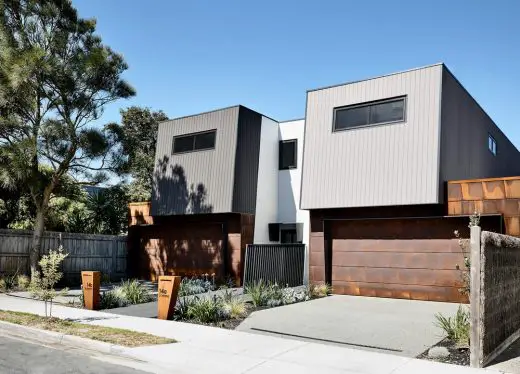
(89, 285)
(163, 292)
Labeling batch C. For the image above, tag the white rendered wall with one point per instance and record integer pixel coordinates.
(267, 189)
(289, 181)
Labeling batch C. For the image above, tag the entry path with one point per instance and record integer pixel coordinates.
(203, 349)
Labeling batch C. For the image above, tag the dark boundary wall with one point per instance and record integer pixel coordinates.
(495, 295)
(385, 255)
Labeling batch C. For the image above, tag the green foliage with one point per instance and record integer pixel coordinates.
(318, 290)
(56, 77)
(137, 135)
(43, 283)
(464, 244)
(23, 281)
(206, 309)
(457, 328)
(3, 287)
(9, 282)
(234, 308)
(135, 292)
(259, 292)
(113, 299)
(193, 286)
(182, 308)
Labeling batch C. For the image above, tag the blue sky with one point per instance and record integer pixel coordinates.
(192, 56)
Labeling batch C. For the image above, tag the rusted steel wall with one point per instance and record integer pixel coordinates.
(140, 214)
(190, 245)
(487, 196)
(411, 258)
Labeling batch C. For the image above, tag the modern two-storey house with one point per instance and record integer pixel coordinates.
(377, 156)
(361, 180)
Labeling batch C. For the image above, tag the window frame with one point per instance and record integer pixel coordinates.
(493, 143)
(280, 151)
(404, 98)
(194, 135)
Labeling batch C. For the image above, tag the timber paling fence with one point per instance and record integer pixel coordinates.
(105, 253)
(280, 263)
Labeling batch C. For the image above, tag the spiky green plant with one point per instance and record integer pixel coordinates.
(456, 328)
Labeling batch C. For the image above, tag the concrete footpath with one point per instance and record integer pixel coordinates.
(202, 349)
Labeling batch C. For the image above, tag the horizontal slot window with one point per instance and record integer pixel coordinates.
(374, 113)
(194, 142)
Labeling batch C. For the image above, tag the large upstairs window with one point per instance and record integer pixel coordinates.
(370, 114)
(194, 142)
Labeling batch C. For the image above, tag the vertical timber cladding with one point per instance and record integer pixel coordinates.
(411, 258)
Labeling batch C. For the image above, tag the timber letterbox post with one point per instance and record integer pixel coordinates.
(167, 295)
(90, 281)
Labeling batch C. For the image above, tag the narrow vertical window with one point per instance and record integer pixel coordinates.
(288, 154)
(492, 145)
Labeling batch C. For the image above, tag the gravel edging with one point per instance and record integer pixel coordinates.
(57, 338)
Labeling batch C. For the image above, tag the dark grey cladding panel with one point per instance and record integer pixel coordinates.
(246, 161)
(200, 181)
(465, 128)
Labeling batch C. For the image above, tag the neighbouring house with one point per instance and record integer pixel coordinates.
(362, 180)
(223, 179)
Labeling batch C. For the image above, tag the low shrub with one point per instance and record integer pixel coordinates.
(259, 292)
(318, 290)
(182, 308)
(457, 327)
(23, 281)
(134, 292)
(235, 308)
(193, 286)
(113, 299)
(2, 285)
(291, 296)
(207, 309)
(9, 282)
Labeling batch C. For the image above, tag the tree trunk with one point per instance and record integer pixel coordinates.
(34, 257)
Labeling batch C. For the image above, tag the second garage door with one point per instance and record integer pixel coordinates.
(385, 258)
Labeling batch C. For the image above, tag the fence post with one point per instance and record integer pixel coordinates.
(476, 353)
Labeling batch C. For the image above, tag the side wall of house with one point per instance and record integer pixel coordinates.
(201, 181)
(465, 127)
(267, 190)
(289, 182)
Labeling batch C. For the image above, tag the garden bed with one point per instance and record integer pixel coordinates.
(457, 356)
(228, 309)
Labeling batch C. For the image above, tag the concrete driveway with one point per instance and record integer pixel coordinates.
(401, 327)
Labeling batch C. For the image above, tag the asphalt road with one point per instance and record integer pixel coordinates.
(21, 357)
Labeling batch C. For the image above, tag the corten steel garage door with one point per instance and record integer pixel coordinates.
(398, 258)
(179, 249)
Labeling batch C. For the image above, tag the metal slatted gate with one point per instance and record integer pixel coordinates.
(280, 263)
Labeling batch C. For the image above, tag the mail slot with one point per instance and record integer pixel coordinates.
(91, 281)
(168, 289)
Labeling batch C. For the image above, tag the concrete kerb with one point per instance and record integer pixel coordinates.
(57, 338)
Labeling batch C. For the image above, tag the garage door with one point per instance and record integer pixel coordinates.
(182, 249)
(408, 259)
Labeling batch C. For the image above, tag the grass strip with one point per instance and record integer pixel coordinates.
(126, 338)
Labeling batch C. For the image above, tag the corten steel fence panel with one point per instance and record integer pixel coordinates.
(280, 263)
(105, 253)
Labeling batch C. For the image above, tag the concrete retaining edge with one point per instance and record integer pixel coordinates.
(57, 338)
